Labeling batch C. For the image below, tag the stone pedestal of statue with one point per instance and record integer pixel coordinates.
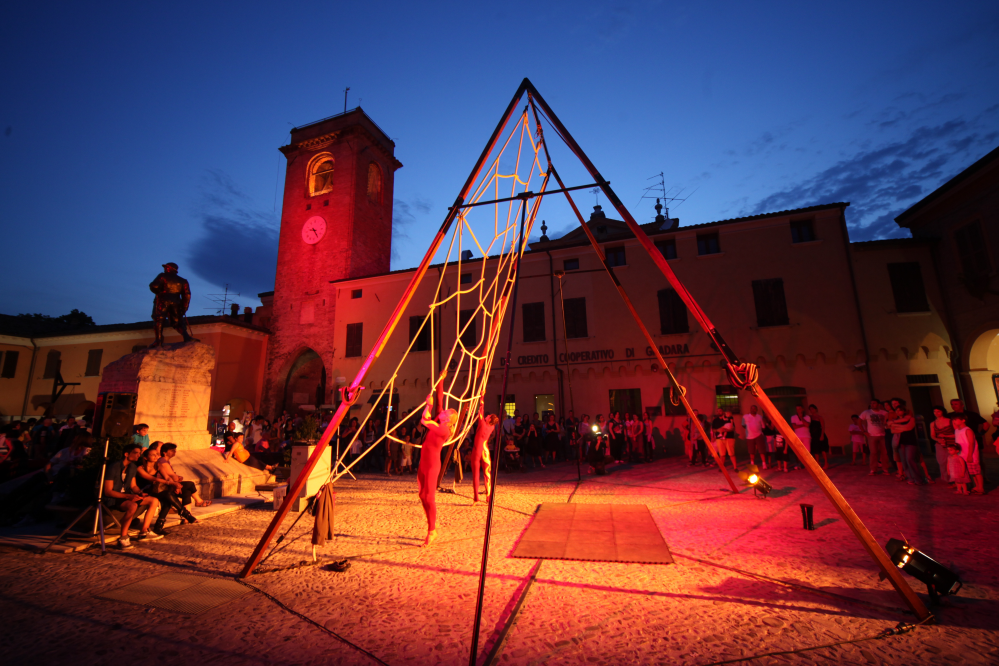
(174, 386)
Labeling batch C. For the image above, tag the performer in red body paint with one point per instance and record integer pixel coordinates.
(480, 451)
(438, 433)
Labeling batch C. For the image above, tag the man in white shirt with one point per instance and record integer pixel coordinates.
(752, 423)
(874, 421)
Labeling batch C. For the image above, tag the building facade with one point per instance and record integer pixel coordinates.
(32, 360)
(959, 222)
(827, 322)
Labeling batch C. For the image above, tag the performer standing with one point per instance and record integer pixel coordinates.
(480, 451)
(438, 433)
(173, 296)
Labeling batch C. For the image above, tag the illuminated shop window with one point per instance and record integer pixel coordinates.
(727, 397)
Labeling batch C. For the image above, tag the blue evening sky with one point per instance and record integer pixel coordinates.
(135, 134)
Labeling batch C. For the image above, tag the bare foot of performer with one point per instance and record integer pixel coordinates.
(480, 452)
(438, 433)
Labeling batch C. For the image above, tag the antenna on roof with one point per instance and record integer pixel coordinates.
(345, 91)
(657, 190)
(220, 301)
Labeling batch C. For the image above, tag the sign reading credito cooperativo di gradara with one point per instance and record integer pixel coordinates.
(596, 355)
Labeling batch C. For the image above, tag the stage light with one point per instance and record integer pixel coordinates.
(939, 580)
(760, 485)
(596, 429)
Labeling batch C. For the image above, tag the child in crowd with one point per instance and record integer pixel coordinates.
(858, 437)
(965, 438)
(780, 455)
(957, 469)
(770, 432)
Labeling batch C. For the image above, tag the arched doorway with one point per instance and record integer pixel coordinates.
(983, 371)
(306, 382)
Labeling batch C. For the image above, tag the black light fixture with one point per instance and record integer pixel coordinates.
(940, 581)
(760, 486)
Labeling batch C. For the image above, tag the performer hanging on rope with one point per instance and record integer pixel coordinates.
(480, 451)
(438, 434)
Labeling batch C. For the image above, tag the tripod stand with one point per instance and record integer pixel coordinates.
(97, 530)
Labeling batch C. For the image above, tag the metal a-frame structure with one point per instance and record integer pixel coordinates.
(743, 375)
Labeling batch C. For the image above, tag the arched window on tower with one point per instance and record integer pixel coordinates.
(374, 183)
(321, 175)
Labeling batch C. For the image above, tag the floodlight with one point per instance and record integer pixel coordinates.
(760, 485)
(596, 428)
(939, 580)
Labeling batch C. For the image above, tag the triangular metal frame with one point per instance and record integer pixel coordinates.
(743, 375)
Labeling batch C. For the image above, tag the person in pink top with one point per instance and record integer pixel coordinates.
(438, 433)
(965, 438)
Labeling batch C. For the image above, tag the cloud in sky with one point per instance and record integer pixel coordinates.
(239, 243)
(404, 213)
(882, 181)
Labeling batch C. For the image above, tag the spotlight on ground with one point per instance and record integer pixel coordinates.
(940, 581)
(760, 486)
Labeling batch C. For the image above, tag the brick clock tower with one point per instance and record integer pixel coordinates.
(336, 222)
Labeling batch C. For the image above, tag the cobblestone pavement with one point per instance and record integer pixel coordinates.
(727, 597)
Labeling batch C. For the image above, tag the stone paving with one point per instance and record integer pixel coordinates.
(748, 581)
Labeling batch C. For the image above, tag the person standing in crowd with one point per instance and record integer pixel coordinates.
(972, 420)
(995, 424)
(569, 426)
(875, 419)
(650, 444)
(551, 433)
(942, 434)
(770, 433)
(965, 438)
(781, 453)
(752, 424)
(820, 441)
(43, 440)
(801, 423)
(615, 436)
(699, 445)
(957, 469)
(904, 425)
(858, 439)
(532, 440)
(894, 414)
(723, 427)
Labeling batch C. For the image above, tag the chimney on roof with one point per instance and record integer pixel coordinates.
(597, 214)
(234, 310)
(466, 255)
(248, 314)
(665, 222)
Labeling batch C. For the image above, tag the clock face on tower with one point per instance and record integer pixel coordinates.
(313, 230)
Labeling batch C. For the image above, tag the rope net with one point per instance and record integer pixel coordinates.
(489, 228)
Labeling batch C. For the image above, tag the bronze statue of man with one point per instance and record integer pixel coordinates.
(173, 295)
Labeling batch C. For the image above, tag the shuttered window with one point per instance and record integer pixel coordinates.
(907, 287)
(52, 362)
(672, 313)
(9, 365)
(575, 318)
(534, 322)
(94, 362)
(468, 336)
(355, 333)
(771, 308)
(421, 335)
(972, 249)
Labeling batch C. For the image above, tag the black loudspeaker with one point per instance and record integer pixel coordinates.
(115, 414)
